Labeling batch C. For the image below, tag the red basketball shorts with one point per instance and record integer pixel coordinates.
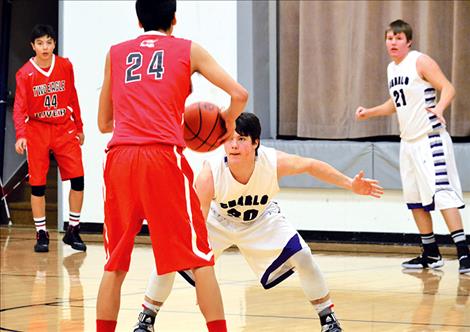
(62, 140)
(153, 182)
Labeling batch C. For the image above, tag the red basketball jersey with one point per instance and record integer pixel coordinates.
(150, 81)
(46, 95)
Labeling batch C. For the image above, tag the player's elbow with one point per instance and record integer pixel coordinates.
(451, 91)
(240, 95)
(105, 126)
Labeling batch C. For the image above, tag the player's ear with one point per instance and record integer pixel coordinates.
(140, 25)
(409, 43)
(173, 21)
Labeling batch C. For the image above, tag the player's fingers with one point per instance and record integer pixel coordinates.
(376, 186)
(223, 138)
(377, 191)
(439, 116)
(360, 175)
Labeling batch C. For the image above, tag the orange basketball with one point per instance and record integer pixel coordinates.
(203, 126)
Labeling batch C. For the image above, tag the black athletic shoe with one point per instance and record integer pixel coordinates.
(145, 322)
(330, 323)
(464, 264)
(423, 262)
(72, 238)
(42, 241)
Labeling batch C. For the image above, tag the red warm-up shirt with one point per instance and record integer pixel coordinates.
(46, 95)
(150, 81)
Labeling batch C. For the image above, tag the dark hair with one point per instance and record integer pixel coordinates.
(155, 14)
(41, 30)
(247, 124)
(400, 26)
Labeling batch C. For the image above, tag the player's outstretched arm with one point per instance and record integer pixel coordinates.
(105, 110)
(431, 72)
(290, 164)
(387, 108)
(205, 64)
(204, 186)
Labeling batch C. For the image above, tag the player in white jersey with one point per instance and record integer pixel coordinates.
(427, 165)
(236, 191)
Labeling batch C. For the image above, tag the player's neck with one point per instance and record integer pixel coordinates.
(242, 172)
(43, 63)
(399, 59)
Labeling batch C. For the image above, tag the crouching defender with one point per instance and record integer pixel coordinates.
(236, 193)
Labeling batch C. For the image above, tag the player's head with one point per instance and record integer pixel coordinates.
(43, 30)
(43, 39)
(399, 26)
(398, 39)
(156, 14)
(247, 124)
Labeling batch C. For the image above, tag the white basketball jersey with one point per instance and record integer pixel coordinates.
(245, 202)
(411, 96)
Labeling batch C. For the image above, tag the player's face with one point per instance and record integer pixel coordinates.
(240, 148)
(43, 46)
(397, 45)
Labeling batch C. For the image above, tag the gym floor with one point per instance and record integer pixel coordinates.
(57, 291)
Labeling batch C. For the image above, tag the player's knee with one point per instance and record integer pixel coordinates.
(77, 184)
(302, 257)
(38, 191)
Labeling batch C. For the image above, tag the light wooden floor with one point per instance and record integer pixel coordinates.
(56, 291)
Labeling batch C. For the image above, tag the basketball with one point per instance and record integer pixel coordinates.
(203, 126)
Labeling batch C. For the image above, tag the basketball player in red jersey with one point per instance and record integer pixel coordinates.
(145, 86)
(47, 119)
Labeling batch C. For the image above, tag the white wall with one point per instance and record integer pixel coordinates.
(340, 210)
(89, 28)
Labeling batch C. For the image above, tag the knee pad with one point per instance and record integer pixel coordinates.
(159, 286)
(77, 184)
(38, 190)
(311, 279)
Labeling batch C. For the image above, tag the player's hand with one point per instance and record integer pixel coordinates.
(439, 114)
(81, 138)
(364, 186)
(229, 126)
(361, 113)
(20, 145)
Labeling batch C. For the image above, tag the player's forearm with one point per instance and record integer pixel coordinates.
(105, 126)
(384, 109)
(328, 174)
(19, 119)
(447, 95)
(238, 101)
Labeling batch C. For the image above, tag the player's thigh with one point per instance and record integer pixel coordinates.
(220, 235)
(408, 174)
(37, 152)
(67, 151)
(122, 207)
(173, 212)
(271, 238)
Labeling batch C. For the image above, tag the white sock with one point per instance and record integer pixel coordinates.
(147, 305)
(40, 223)
(74, 218)
(322, 306)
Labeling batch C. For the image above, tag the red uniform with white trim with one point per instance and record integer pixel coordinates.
(47, 114)
(146, 175)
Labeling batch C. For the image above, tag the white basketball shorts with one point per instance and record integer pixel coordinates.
(429, 173)
(266, 243)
